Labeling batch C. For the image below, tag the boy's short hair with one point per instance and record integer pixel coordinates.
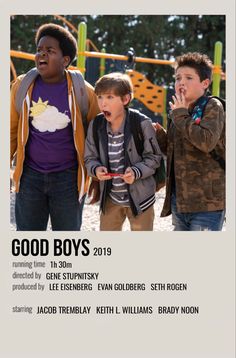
(119, 83)
(67, 42)
(200, 62)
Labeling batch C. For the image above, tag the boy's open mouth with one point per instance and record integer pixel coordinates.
(42, 63)
(106, 113)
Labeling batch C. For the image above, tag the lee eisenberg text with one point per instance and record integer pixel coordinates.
(43, 247)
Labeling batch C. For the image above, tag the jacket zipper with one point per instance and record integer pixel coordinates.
(74, 131)
(22, 134)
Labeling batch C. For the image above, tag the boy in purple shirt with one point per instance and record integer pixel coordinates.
(48, 139)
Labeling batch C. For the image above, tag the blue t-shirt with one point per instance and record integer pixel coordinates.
(50, 146)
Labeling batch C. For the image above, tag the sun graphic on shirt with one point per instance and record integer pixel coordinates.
(38, 107)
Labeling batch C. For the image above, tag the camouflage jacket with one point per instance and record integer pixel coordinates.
(199, 179)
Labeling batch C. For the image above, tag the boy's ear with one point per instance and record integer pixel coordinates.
(66, 61)
(126, 99)
(206, 83)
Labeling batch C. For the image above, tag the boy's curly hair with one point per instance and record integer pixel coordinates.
(66, 41)
(200, 62)
(116, 82)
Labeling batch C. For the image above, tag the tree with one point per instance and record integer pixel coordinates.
(154, 36)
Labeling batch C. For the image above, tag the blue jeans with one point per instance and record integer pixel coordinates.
(200, 221)
(48, 194)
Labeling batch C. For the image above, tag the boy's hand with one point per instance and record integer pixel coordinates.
(178, 101)
(157, 126)
(129, 176)
(101, 173)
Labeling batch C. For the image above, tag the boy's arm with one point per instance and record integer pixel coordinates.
(161, 137)
(206, 134)
(151, 156)
(91, 160)
(91, 156)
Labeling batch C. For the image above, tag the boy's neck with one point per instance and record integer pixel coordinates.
(192, 104)
(115, 126)
(118, 122)
(57, 79)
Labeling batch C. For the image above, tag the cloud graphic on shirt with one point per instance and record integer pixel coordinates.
(50, 119)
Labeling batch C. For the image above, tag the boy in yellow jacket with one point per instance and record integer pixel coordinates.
(48, 137)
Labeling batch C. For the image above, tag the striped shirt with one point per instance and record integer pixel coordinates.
(119, 193)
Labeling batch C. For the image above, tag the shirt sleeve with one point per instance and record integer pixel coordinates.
(203, 135)
(151, 156)
(91, 155)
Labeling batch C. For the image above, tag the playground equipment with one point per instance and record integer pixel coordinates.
(217, 69)
(153, 97)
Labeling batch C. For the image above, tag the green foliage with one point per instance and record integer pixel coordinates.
(153, 36)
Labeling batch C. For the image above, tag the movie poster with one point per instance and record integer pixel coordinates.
(93, 294)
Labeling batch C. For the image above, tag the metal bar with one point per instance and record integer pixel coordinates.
(102, 64)
(125, 58)
(13, 70)
(66, 22)
(217, 69)
(82, 35)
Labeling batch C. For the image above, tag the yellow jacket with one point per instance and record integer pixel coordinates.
(20, 130)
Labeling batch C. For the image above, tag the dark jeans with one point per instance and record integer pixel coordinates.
(52, 194)
(200, 221)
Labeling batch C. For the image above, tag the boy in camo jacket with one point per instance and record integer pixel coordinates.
(195, 185)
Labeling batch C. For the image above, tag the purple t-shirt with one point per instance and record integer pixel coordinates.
(50, 146)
